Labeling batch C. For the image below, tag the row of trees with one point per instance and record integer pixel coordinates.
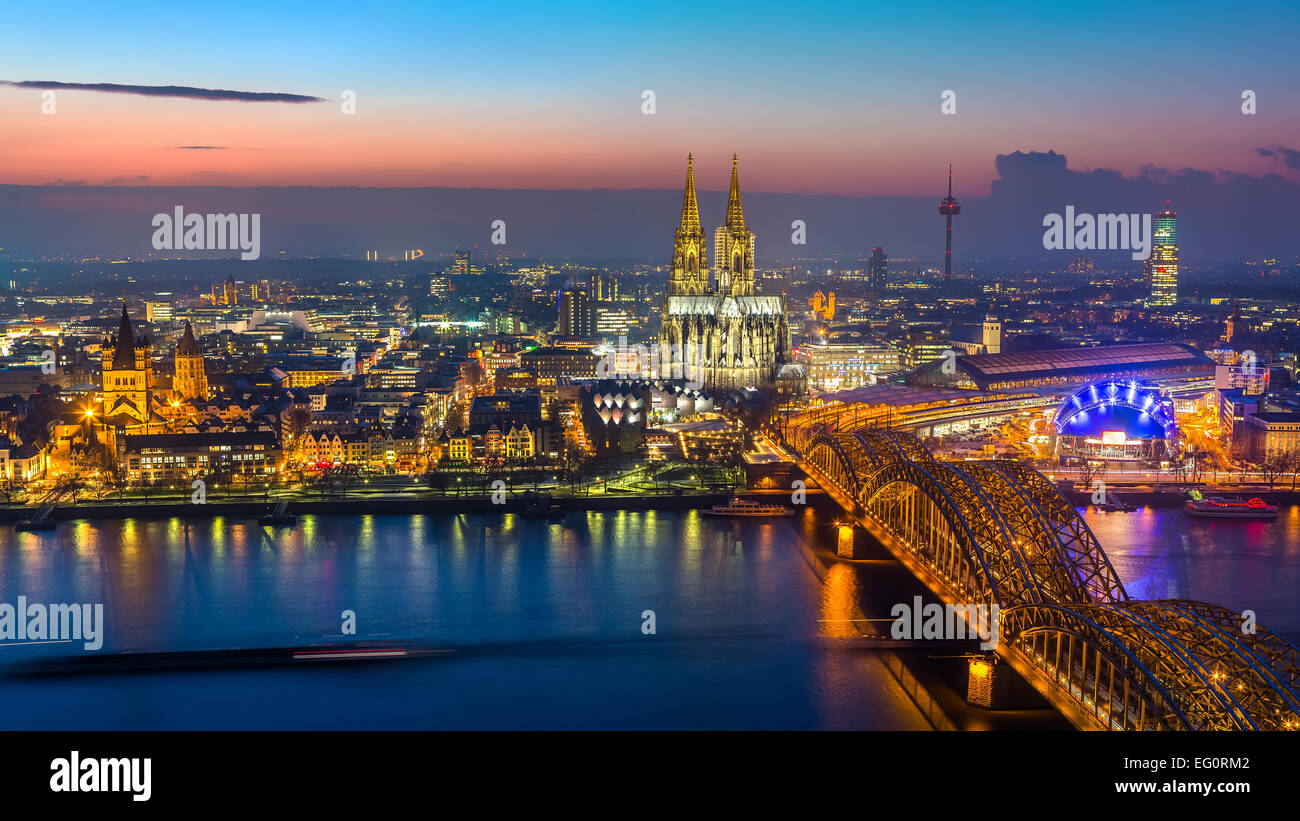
(1276, 465)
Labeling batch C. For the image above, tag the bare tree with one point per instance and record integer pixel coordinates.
(1273, 466)
(1090, 471)
(1292, 458)
(1197, 463)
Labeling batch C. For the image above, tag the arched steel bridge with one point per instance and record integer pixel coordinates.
(999, 532)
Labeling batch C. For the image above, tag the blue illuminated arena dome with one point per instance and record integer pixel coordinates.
(1137, 410)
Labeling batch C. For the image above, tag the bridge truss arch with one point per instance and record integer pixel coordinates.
(998, 532)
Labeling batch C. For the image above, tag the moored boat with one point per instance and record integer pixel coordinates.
(539, 506)
(1115, 504)
(744, 507)
(278, 516)
(1229, 507)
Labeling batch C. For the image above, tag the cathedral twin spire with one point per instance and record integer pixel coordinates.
(733, 244)
(690, 205)
(735, 214)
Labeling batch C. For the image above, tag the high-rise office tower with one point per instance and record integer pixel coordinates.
(876, 270)
(602, 288)
(460, 263)
(575, 313)
(949, 208)
(439, 285)
(1162, 266)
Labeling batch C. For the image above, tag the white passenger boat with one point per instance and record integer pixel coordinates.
(744, 507)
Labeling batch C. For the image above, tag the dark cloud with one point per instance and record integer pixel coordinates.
(126, 180)
(1222, 216)
(187, 92)
(1289, 156)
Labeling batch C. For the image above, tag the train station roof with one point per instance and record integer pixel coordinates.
(1080, 363)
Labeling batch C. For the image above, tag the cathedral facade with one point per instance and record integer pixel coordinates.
(727, 334)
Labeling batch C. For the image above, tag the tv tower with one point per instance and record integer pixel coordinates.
(948, 207)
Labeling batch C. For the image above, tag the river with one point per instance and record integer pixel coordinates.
(545, 618)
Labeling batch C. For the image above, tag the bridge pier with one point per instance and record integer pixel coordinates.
(988, 682)
(848, 541)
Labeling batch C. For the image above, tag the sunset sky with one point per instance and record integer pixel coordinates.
(834, 101)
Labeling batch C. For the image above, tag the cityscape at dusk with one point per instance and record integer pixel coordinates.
(745, 367)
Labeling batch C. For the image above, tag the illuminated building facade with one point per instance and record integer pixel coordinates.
(1270, 435)
(612, 321)
(823, 306)
(158, 311)
(169, 456)
(1162, 266)
(836, 367)
(992, 334)
(728, 335)
(576, 317)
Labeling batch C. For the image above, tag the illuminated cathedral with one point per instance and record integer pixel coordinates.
(728, 335)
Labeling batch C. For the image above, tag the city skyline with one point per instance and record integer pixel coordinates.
(424, 367)
(1226, 219)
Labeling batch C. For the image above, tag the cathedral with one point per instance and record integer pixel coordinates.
(728, 335)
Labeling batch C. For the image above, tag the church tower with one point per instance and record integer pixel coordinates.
(690, 271)
(733, 244)
(190, 380)
(127, 367)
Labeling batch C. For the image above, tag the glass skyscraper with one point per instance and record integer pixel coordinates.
(1162, 266)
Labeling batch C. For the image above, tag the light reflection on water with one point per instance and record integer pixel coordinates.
(1161, 553)
(547, 617)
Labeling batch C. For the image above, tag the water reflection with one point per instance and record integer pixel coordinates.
(547, 616)
(1162, 553)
